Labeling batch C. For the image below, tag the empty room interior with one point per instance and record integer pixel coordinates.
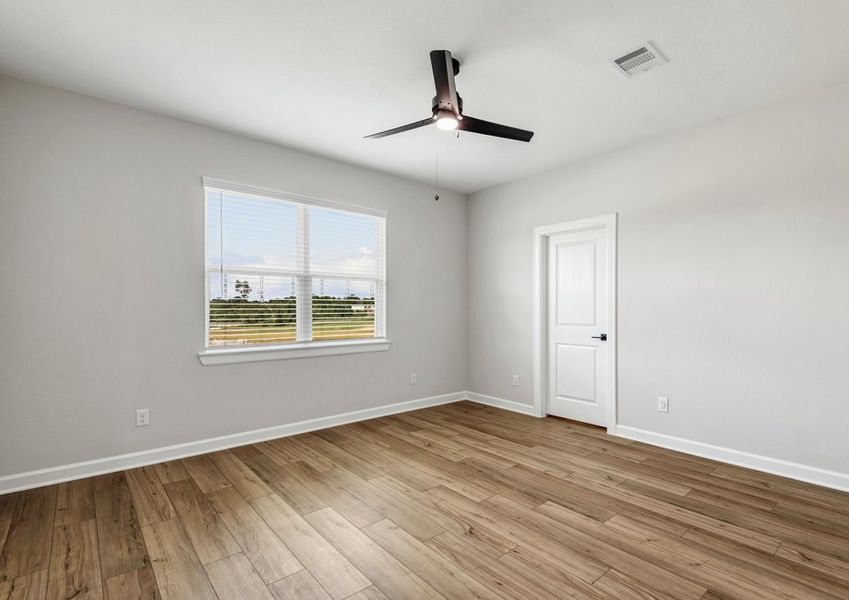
(395, 300)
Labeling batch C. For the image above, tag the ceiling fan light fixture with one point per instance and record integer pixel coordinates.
(446, 120)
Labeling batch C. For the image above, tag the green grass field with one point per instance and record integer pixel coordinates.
(237, 321)
(235, 335)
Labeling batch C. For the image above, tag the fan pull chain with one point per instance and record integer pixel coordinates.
(436, 168)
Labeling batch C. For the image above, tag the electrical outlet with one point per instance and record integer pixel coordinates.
(515, 380)
(413, 379)
(662, 404)
(142, 417)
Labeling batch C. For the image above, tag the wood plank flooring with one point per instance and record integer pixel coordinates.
(453, 502)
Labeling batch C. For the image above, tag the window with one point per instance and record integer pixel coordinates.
(286, 272)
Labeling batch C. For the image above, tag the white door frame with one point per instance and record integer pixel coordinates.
(540, 324)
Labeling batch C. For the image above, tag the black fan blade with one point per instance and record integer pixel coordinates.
(402, 128)
(486, 128)
(443, 77)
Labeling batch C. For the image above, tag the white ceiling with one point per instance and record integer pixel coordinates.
(319, 74)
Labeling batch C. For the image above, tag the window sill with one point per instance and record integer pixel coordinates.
(227, 356)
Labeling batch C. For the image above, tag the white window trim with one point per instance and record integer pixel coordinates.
(301, 349)
(261, 192)
(228, 356)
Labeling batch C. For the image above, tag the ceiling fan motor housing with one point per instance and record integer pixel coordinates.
(435, 107)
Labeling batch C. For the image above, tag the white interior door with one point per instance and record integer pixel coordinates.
(578, 355)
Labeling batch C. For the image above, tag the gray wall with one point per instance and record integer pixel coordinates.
(733, 278)
(102, 293)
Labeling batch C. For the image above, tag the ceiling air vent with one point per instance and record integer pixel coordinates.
(638, 61)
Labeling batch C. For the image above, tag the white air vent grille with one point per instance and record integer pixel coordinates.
(638, 61)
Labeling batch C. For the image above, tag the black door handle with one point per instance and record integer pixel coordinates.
(602, 337)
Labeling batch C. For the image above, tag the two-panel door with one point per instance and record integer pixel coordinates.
(578, 302)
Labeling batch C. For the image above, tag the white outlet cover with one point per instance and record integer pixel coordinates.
(142, 417)
(663, 404)
(515, 380)
(413, 379)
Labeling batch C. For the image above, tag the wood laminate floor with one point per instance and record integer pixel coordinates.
(459, 501)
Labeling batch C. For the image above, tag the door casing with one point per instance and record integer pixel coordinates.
(540, 308)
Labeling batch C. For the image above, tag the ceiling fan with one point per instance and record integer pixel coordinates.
(448, 106)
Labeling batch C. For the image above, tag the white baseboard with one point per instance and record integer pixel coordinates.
(775, 466)
(525, 409)
(32, 479)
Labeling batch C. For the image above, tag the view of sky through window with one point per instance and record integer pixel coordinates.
(263, 235)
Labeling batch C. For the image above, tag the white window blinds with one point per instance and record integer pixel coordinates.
(282, 269)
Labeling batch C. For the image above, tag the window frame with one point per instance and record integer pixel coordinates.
(301, 348)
